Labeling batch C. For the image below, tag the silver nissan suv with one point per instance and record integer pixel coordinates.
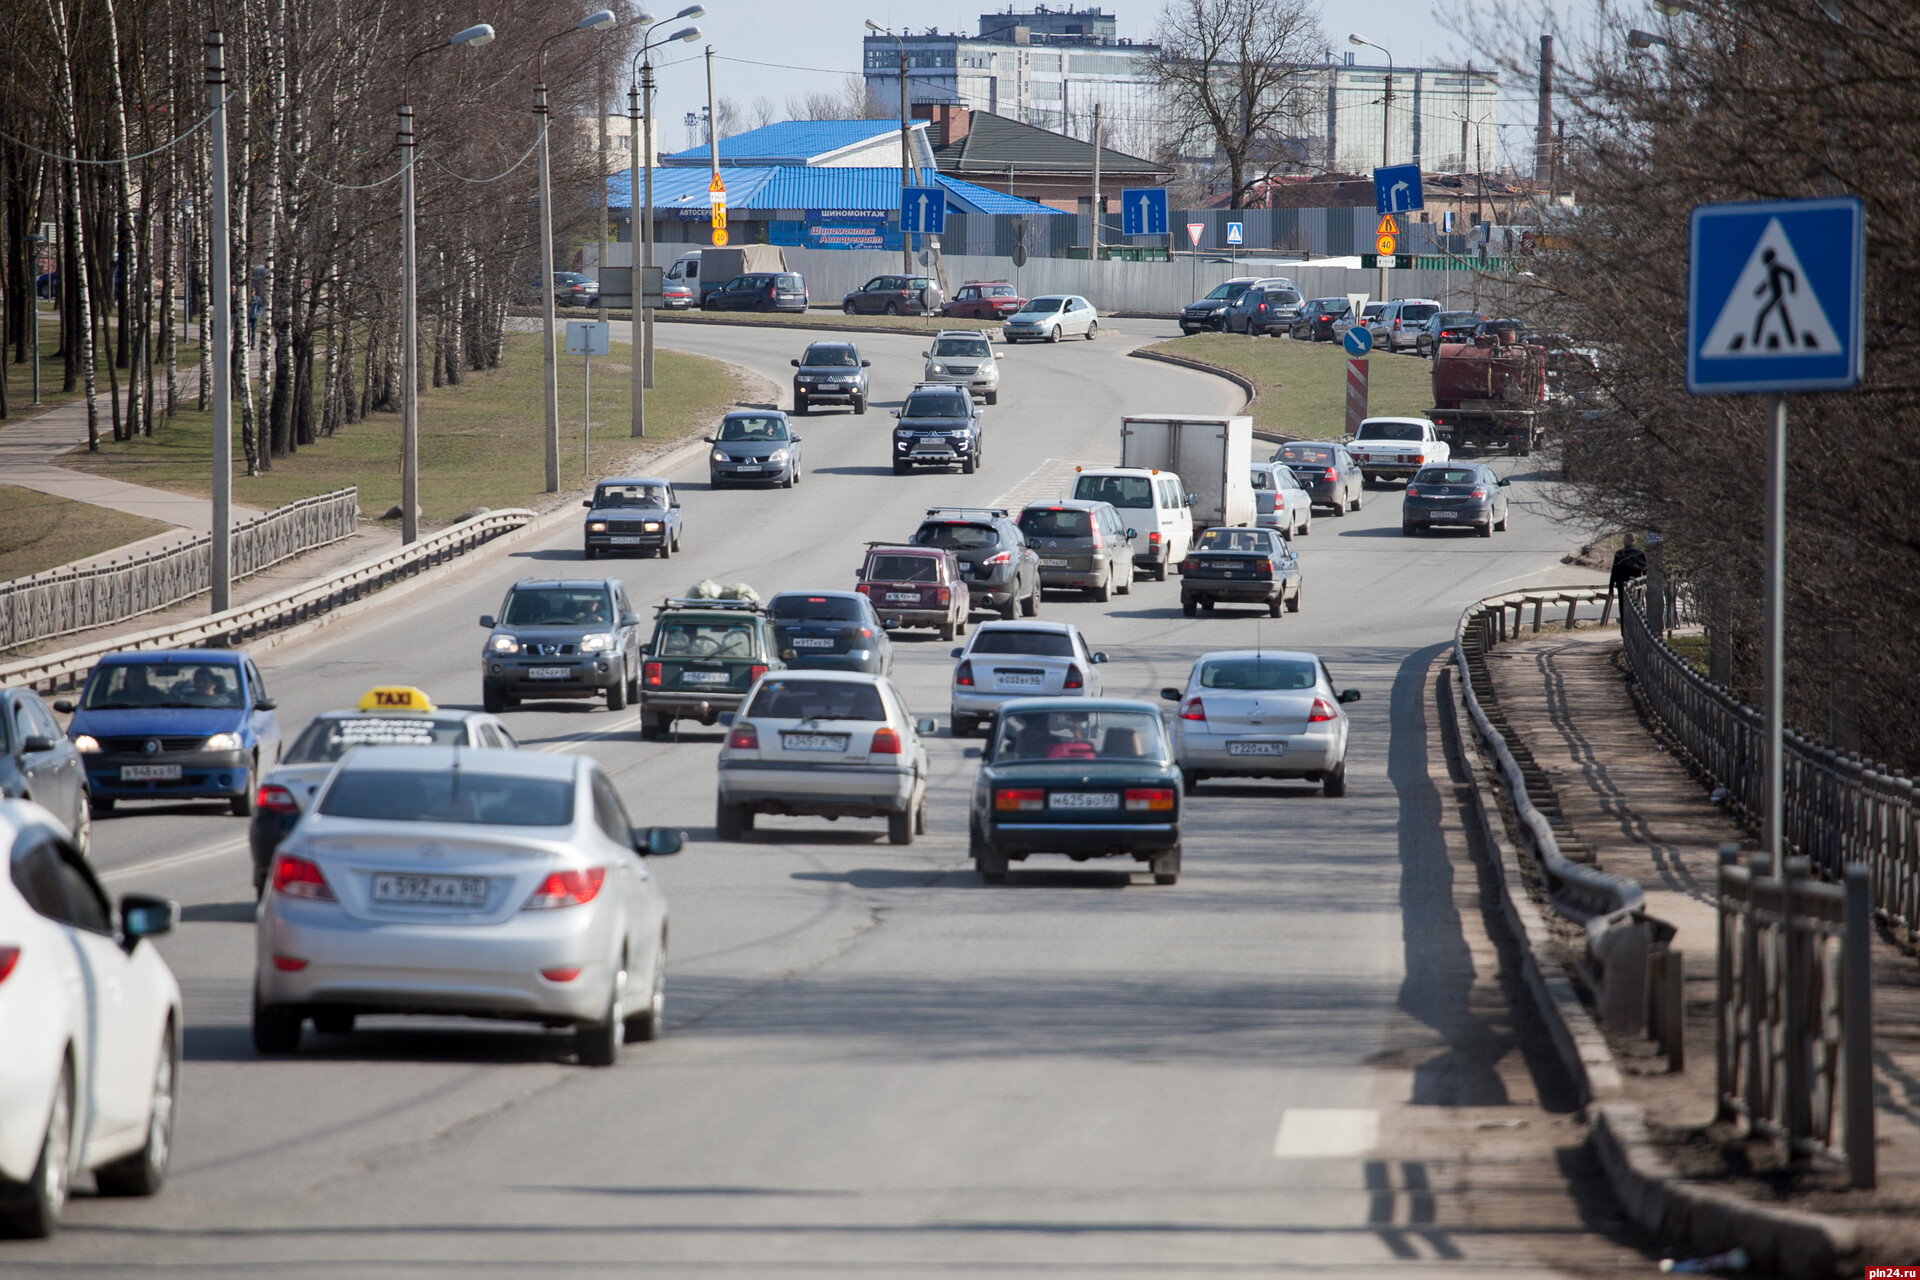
(965, 358)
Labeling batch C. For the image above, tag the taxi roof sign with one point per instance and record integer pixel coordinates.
(395, 697)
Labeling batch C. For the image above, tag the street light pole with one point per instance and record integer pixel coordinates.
(640, 142)
(1386, 135)
(220, 556)
(34, 238)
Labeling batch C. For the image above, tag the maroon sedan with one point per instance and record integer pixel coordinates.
(984, 300)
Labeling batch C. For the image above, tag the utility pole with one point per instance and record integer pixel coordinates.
(906, 164)
(713, 120)
(1096, 182)
(549, 381)
(1386, 137)
(1543, 121)
(220, 562)
(636, 147)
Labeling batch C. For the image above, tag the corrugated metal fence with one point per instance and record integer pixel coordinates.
(64, 601)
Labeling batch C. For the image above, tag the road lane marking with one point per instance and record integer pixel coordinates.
(175, 860)
(1048, 480)
(1308, 1132)
(574, 740)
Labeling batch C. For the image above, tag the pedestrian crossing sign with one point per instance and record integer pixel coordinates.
(1774, 296)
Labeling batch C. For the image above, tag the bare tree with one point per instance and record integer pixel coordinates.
(854, 100)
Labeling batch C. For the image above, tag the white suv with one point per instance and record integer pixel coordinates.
(965, 358)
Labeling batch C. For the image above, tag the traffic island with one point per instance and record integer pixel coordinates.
(1313, 376)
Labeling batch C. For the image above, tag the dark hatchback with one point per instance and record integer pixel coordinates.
(830, 631)
(1268, 309)
(760, 291)
(1326, 471)
(830, 373)
(939, 427)
(1444, 327)
(1318, 316)
(1001, 571)
(1455, 496)
(888, 295)
(1240, 566)
(1084, 777)
(1083, 546)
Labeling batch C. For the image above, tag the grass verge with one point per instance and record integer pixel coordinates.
(810, 320)
(481, 442)
(1303, 385)
(39, 531)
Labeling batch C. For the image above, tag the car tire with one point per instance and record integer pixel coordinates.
(786, 481)
(241, 806)
(1188, 781)
(617, 694)
(1121, 575)
(1104, 592)
(144, 1172)
(763, 305)
(900, 827)
(1031, 605)
(1306, 523)
(1093, 330)
(1501, 524)
(1166, 866)
(848, 308)
(586, 553)
(1485, 530)
(1012, 607)
(665, 551)
(993, 397)
(963, 726)
(36, 1215)
(988, 861)
(1334, 782)
(969, 464)
(597, 1044)
(1160, 571)
(1207, 605)
(731, 821)
(98, 805)
(1293, 601)
(676, 544)
(83, 823)
(900, 468)
(800, 406)
(893, 308)
(1355, 504)
(276, 1029)
(1190, 607)
(1054, 336)
(491, 700)
(1277, 605)
(1185, 332)
(650, 1023)
(1408, 530)
(653, 726)
(1339, 508)
(334, 1022)
(859, 404)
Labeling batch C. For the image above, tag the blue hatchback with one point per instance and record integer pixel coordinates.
(175, 724)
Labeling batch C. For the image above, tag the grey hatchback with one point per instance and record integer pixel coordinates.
(1083, 546)
(573, 638)
(1453, 496)
(754, 445)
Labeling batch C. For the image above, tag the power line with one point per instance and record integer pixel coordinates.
(194, 128)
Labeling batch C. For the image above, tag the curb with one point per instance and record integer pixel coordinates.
(1237, 378)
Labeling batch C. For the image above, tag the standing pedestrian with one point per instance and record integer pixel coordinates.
(1629, 563)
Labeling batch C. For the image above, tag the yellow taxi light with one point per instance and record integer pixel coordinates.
(396, 697)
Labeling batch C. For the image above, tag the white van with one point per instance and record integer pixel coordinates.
(1156, 504)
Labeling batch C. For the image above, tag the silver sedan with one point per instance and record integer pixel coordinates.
(1261, 713)
(432, 880)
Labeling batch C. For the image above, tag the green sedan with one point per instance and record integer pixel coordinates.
(1084, 777)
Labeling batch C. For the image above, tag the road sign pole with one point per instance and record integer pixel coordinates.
(1356, 394)
(1776, 625)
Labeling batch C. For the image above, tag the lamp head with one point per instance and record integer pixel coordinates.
(642, 18)
(1355, 40)
(480, 33)
(874, 26)
(691, 11)
(690, 34)
(597, 21)
(1669, 8)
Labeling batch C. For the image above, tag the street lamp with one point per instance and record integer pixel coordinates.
(409, 322)
(1638, 39)
(906, 149)
(639, 139)
(1386, 134)
(34, 238)
(596, 21)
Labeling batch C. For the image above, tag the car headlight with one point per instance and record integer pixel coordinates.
(651, 526)
(86, 744)
(936, 368)
(503, 644)
(597, 643)
(598, 526)
(805, 377)
(778, 455)
(718, 456)
(222, 742)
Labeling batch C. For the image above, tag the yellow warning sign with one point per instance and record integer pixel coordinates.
(714, 184)
(1383, 245)
(1387, 227)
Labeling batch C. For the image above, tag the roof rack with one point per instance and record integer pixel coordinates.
(988, 512)
(690, 602)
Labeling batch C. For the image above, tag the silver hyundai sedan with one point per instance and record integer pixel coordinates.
(1261, 713)
(436, 880)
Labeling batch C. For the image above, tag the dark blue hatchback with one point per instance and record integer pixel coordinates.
(175, 724)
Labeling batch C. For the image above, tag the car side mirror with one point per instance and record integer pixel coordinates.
(1193, 499)
(264, 704)
(896, 413)
(794, 439)
(999, 355)
(707, 439)
(64, 706)
(1132, 534)
(487, 620)
(794, 363)
(866, 364)
(1170, 694)
(889, 624)
(658, 842)
(36, 742)
(926, 355)
(925, 724)
(1349, 695)
(142, 915)
(957, 652)
(726, 719)
(970, 753)
(1098, 658)
(587, 503)
(676, 500)
(1505, 481)
(629, 619)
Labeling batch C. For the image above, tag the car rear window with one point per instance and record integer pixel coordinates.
(330, 738)
(1121, 491)
(1080, 735)
(1056, 522)
(449, 795)
(1262, 479)
(1415, 314)
(557, 607)
(1033, 644)
(785, 608)
(936, 406)
(1459, 317)
(1317, 454)
(1446, 475)
(1389, 431)
(817, 700)
(690, 638)
(1283, 297)
(164, 684)
(1256, 673)
(791, 284)
(902, 569)
(998, 291)
(1235, 540)
(956, 537)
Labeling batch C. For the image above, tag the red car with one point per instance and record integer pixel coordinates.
(983, 300)
(916, 587)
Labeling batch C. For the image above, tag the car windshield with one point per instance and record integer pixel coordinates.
(1121, 491)
(1226, 293)
(1235, 540)
(631, 495)
(691, 638)
(449, 795)
(1257, 672)
(902, 569)
(1056, 522)
(936, 406)
(1390, 431)
(557, 607)
(1319, 455)
(1495, 326)
(1079, 735)
(753, 429)
(831, 358)
(330, 737)
(1033, 644)
(817, 700)
(1044, 306)
(786, 608)
(955, 536)
(1446, 475)
(975, 347)
(164, 684)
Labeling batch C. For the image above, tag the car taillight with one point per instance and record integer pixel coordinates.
(1412, 492)
(1153, 537)
(1263, 566)
(650, 673)
(1150, 799)
(963, 674)
(1018, 798)
(9, 957)
(1332, 474)
(745, 737)
(1073, 680)
(299, 878)
(864, 588)
(289, 964)
(1396, 322)
(885, 742)
(1189, 565)
(567, 889)
(276, 799)
(1323, 317)
(944, 595)
(1478, 493)
(1005, 557)
(866, 633)
(1322, 710)
(773, 291)
(757, 670)
(1193, 709)
(1098, 543)
(566, 973)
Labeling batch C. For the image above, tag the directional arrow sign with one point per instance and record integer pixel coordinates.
(1143, 211)
(1396, 189)
(923, 210)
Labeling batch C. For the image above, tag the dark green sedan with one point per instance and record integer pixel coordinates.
(1084, 777)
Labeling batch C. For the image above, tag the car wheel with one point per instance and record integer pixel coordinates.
(893, 308)
(1012, 606)
(900, 468)
(1277, 605)
(1093, 330)
(988, 861)
(1485, 530)
(241, 806)
(100, 806)
(1188, 781)
(650, 1023)
(731, 821)
(597, 1044)
(276, 1029)
(1207, 605)
(1104, 592)
(676, 544)
(786, 481)
(1409, 530)
(1121, 575)
(993, 397)
(1334, 783)
(920, 816)
(143, 1172)
(1354, 504)
(1054, 336)
(763, 305)
(800, 406)
(1293, 601)
(859, 404)
(37, 1214)
(1031, 605)
(586, 553)
(334, 1022)
(964, 726)
(617, 694)
(1306, 523)
(1160, 571)
(1501, 524)
(666, 551)
(1339, 507)
(848, 308)
(969, 463)
(1185, 332)
(900, 827)
(1166, 866)
(1189, 607)
(652, 726)
(491, 701)
(83, 823)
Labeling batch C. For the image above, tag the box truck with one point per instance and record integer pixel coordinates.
(1213, 455)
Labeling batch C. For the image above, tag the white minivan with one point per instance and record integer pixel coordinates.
(1156, 503)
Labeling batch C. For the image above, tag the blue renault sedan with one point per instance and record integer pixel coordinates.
(179, 724)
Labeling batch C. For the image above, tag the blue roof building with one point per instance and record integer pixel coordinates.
(849, 144)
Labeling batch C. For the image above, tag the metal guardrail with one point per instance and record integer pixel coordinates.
(68, 667)
(1839, 809)
(64, 601)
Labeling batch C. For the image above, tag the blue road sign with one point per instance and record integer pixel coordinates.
(1396, 189)
(1774, 296)
(1143, 211)
(923, 210)
(1233, 233)
(1358, 341)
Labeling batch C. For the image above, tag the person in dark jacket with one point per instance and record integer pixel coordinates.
(1629, 563)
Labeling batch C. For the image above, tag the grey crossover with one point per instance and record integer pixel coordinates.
(553, 638)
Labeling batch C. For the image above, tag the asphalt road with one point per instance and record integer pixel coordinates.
(874, 1064)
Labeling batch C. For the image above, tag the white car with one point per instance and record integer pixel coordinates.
(1052, 318)
(1261, 713)
(827, 744)
(1396, 448)
(90, 1028)
(495, 884)
(1155, 503)
(1280, 501)
(965, 358)
(1008, 660)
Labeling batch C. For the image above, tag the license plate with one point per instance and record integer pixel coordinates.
(814, 741)
(812, 642)
(1223, 564)
(1256, 748)
(149, 773)
(911, 597)
(1443, 515)
(430, 891)
(1053, 564)
(747, 468)
(1003, 680)
(549, 673)
(625, 539)
(705, 677)
(1084, 800)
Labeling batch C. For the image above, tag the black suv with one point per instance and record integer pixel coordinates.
(938, 427)
(561, 638)
(830, 373)
(1001, 571)
(1210, 312)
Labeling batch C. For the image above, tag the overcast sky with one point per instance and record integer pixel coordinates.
(818, 49)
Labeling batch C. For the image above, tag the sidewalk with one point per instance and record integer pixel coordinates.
(1645, 816)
